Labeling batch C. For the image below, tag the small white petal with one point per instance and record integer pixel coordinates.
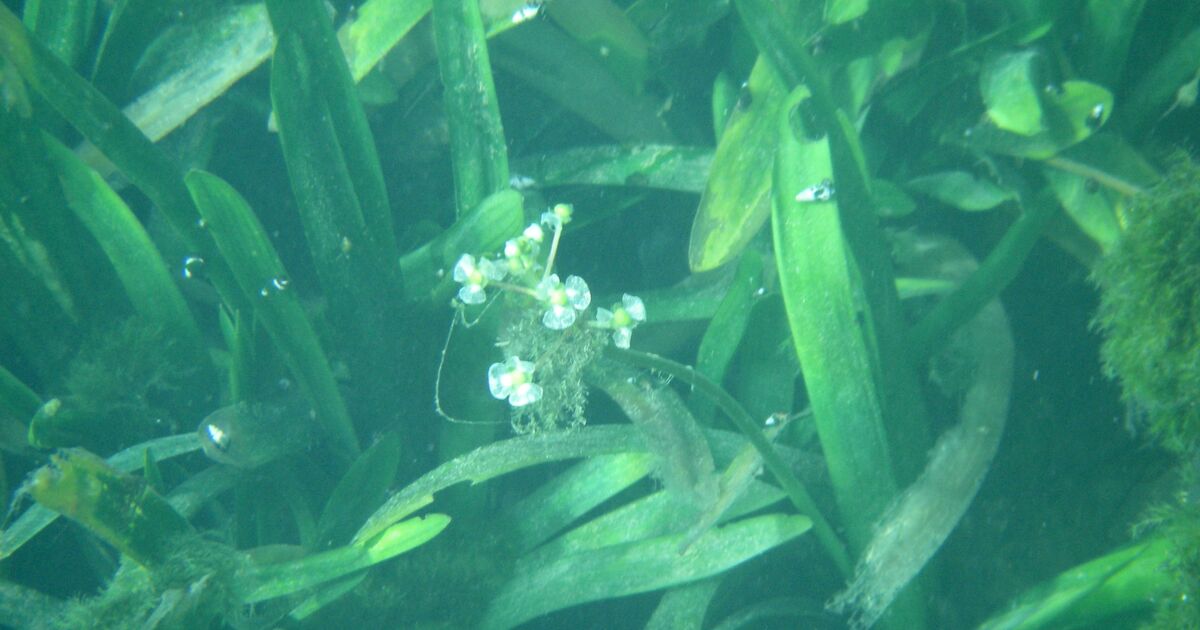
(578, 293)
(604, 317)
(491, 270)
(621, 337)
(464, 267)
(525, 368)
(534, 233)
(496, 381)
(472, 294)
(634, 306)
(548, 285)
(558, 318)
(524, 394)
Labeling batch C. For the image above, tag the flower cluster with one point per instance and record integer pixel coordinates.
(521, 271)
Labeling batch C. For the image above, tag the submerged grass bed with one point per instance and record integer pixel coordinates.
(669, 284)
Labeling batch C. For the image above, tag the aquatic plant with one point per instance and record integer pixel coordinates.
(1150, 307)
(491, 312)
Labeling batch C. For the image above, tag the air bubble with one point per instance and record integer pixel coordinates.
(201, 223)
(1095, 116)
(192, 265)
(745, 98)
(816, 193)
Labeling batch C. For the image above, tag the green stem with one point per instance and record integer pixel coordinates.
(553, 249)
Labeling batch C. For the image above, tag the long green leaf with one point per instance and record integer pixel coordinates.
(683, 459)
(262, 278)
(477, 146)
(1151, 96)
(484, 229)
(667, 167)
(357, 280)
(132, 25)
(996, 272)
(332, 83)
(1123, 581)
(1107, 29)
(210, 56)
(275, 580)
(639, 567)
(842, 11)
(1111, 162)
(1093, 209)
(67, 258)
(128, 247)
(736, 200)
(500, 458)
(572, 494)
(379, 26)
(651, 516)
(361, 490)
(17, 400)
(961, 190)
(1072, 114)
(787, 49)
(118, 139)
(602, 26)
(684, 607)
(772, 460)
(65, 26)
(1011, 89)
(576, 78)
(819, 291)
(724, 332)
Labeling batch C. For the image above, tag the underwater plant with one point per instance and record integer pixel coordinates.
(598, 313)
(1150, 307)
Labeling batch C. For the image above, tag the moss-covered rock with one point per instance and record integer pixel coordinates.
(1150, 307)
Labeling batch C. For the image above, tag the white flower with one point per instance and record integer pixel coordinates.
(562, 300)
(557, 216)
(513, 380)
(622, 319)
(520, 253)
(534, 233)
(475, 277)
